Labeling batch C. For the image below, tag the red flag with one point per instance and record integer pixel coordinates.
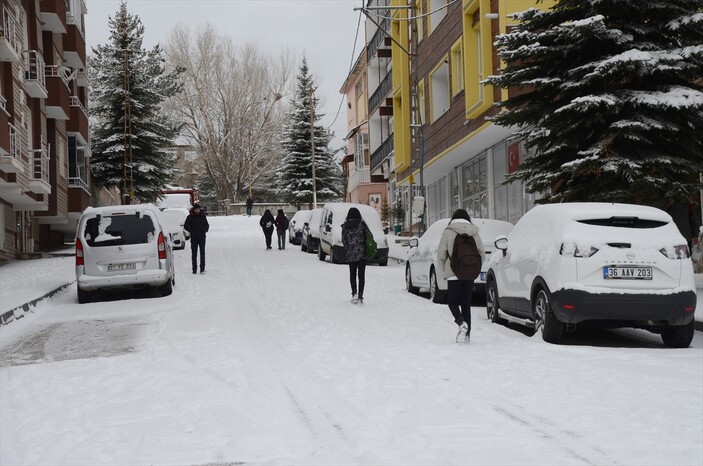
(513, 157)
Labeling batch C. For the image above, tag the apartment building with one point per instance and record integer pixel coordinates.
(44, 141)
(444, 145)
(361, 186)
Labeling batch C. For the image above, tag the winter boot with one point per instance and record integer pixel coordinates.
(354, 299)
(461, 336)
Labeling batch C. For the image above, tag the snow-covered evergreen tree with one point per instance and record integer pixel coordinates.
(611, 100)
(294, 178)
(149, 135)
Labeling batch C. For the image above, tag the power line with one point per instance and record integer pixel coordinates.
(351, 66)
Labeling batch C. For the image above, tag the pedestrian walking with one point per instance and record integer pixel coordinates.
(266, 224)
(281, 228)
(354, 241)
(684, 215)
(250, 204)
(197, 225)
(455, 250)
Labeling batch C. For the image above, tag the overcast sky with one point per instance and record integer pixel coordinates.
(323, 30)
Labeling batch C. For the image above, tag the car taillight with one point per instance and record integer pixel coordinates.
(571, 250)
(676, 252)
(79, 253)
(162, 246)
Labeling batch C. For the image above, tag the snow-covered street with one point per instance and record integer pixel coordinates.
(264, 360)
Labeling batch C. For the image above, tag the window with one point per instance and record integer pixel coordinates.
(439, 90)
(475, 194)
(2, 228)
(457, 68)
(478, 58)
(77, 169)
(437, 10)
(419, 20)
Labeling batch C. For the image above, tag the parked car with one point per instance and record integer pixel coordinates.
(173, 220)
(612, 265)
(421, 269)
(310, 242)
(333, 216)
(122, 247)
(295, 226)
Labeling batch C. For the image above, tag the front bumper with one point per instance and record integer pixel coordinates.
(575, 306)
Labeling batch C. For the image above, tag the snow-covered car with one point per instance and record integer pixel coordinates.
(122, 246)
(173, 220)
(295, 226)
(613, 265)
(421, 269)
(333, 216)
(310, 242)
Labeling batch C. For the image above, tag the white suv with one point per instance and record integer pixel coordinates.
(122, 247)
(613, 265)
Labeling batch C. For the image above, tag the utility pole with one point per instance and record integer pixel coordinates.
(127, 194)
(312, 147)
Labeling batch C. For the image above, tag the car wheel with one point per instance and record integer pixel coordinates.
(167, 288)
(492, 301)
(84, 296)
(320, 253)
(409, 281)
(552, 329)
(438, 296)
(678, 336)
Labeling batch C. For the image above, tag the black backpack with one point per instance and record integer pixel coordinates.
(465, 259)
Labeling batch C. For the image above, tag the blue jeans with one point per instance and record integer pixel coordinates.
(196, 243)
(281, 239)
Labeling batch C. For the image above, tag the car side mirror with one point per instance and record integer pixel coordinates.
(501, 243)
(413, 242)
(306, 224)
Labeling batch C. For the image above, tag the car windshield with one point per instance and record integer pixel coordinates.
(118, 230)
(624, 222)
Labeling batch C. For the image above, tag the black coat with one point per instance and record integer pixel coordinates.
(267, 222)
(281, 222)
(196, 225)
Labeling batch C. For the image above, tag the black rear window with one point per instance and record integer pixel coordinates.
(117, 230)
(624, 222)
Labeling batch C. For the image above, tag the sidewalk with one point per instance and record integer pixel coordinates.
(23, 283)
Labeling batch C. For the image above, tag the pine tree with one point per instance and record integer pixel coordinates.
(129, 84)
(295, 175)
(611, 98)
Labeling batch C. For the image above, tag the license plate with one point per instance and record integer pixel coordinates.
(627, 273)
(119, 267)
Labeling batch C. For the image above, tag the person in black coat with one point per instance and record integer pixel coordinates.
(266, 224)
(353, 239)
(281, 228)
(196, 224)
(250, 204)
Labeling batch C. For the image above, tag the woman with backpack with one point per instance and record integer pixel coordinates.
(281, 228)
(266, 224)
(354, 241)
(456, 243)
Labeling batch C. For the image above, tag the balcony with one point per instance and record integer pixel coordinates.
(10, 38)
(382, 153)
(34, 74)
(58, 101)
(53, 16)
(381, 93)
(39, 171)
(379, 37)
(78, 123)
(12, 161)
(3, 106)
(360, 176)
(74, 43)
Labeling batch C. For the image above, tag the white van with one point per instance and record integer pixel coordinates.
(333, 216)
(122, 246)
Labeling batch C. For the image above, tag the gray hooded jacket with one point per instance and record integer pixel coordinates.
(446, 244)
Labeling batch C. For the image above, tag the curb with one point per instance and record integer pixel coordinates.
(19, 311)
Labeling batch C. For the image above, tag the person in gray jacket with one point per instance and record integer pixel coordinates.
(458, 291)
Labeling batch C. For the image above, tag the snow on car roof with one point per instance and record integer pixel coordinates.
(122, 208)
(586, 210)
(368, 213)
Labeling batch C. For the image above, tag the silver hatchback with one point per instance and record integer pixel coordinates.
(122, 247)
